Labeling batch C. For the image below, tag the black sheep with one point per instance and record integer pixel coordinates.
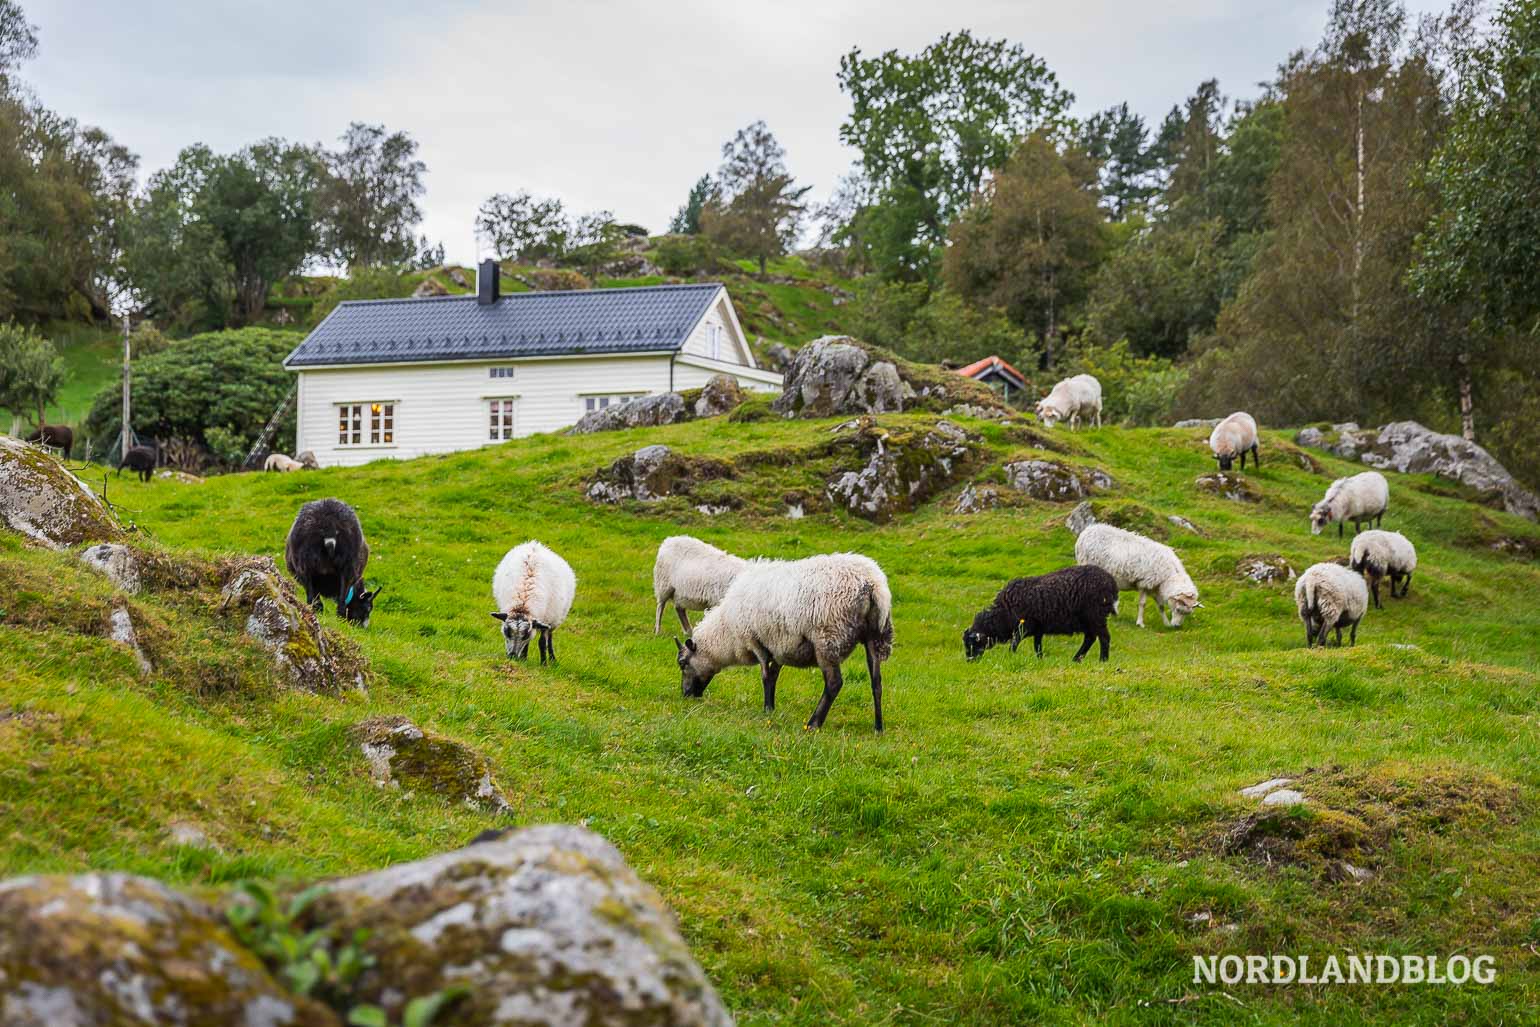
(140, 460)
(327, 554)
(56, 435)
(1072, 601)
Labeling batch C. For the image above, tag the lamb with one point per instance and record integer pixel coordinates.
(534, 589)
(1328, 595)
(1361, 499)
(1376, 554)
(1071, 601)
(795, 613)
(141, 460)
(1071, 398)
(58, 436)
(1144, 564)
(280, 462)
(1235, 435)
(693, 574)
(326, 553)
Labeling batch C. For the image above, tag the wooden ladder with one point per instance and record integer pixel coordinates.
(266, 438)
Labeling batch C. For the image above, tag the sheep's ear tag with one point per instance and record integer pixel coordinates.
(349, 599)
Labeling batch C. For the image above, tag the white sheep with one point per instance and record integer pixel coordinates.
(1136, 562)
(795, 613)
(533, 588)
(693, 574)
(1328, 595)
(1234, 436)
(279, 462)
(1361, 499)
(1377, 554)
(1070, 399)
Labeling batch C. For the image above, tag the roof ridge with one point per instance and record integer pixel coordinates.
(600, 290)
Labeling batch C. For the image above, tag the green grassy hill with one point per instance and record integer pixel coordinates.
(1029, 841)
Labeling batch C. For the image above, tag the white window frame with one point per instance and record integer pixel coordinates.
(594, 401)
(502, 418)
(371, 424)
(714, 341)
(500, 372)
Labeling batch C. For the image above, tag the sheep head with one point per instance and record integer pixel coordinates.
(358, 604)
(1320, 517)
(1048, 413)
(987, 629)
(694, 673)
(518, 630)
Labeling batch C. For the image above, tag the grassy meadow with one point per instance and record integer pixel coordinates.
(1029, 841)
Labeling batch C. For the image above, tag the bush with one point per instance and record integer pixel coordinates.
(215, 390)
(365, 283)
(1135, 390)
(934, 326)
(558, 279)
(685, 255)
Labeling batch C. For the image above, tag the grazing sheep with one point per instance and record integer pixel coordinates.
(141, 460)
(1144, 564)
(1072, 601)
(279, 462)
(795, 613)
(1072, 398)
(1235, 435)
(326, 553)
(534, 589)
(1328, 595)
(308, 460)
(1376, 554)
(57, 436)
(1361, 499)
(693, 574)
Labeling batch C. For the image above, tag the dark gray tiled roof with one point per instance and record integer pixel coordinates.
(526, 324)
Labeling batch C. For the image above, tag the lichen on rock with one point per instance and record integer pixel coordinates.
(44, 502)
(1056, 482)
(289, 630)
(650, 474)
(902, 467)
(1264, 569)
(402, 755)
(1228, 485)
(836, 374)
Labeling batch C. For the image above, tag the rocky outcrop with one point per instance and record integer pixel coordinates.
(1227, 485)
(1198, 422)
(288, 630)
(720, 395)
(1080, 518)
(115, 949)
(117, 562)
(1346, 440)
(1410, 448)
(642, 412)
(1055, 482)
(976, 499)
(546, 925)
(402, 755)
(779, 356)
(1264, 569)
(983, 413)
(835, 375)
(903, 468)
(650, 474)
(45, 503)
(429, 286)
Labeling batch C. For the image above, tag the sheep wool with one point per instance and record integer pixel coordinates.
(1235, 436)
(1380, 554)
(533, 589)
(1328, 596)
(1361, 498)
(692, 573)
(280, 462)
(1072, 601)
(1072, 399)
(795, 613)
(1136, 562)
(326, 553)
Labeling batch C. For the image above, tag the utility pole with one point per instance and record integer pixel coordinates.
(128, 434)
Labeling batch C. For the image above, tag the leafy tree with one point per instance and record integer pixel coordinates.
(595, 241)
(1190, 143)
(368, 198)
(229, 380)
(928, 126)
(31, 371)
(18, 37)
(1118, 140)
(1031, 239)
(1236, 188)
(757, 208)
(523, 227)
(932, 326)
(687, 220)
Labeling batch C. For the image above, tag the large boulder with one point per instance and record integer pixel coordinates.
(836, 375)
(547, 925)
(289, 631)
(650, 474)
(102, 949)
(903, 468)
(1346, 440)
(1410, 448)
(1055, 482)
(642, 412)
(47, 504)
(402, 755)
(719, 396)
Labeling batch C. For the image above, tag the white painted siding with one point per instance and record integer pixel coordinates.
(719, 319)
(691, 372)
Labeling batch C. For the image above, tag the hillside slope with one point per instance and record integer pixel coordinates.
(1028, 841)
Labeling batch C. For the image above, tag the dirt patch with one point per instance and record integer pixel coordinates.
(1490, 536)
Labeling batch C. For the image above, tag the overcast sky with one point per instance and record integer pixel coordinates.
(605, 104)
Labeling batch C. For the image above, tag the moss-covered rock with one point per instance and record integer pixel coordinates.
(1264, 569)
(1055, 482)
(44, 502)
(402, 755)
(903, 468)
(837, 374)
(114, 949)
(1228, 485)
(288, 630)
(650, 474)
(546, 925)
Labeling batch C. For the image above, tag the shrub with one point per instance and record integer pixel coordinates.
(365, 283)
(934, 326)
(1135, 390)
(684, 255)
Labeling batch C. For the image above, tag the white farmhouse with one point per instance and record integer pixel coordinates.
(402, 378)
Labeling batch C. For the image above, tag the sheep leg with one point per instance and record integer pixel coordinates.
(1243, 459)
(1085, 646)
(1037, 645)
(874, 671)
(832, 683)
(1352, 635)
(657, 616)
(1374, 587)
(1104, 637)
(1406, 585)
(769, 671)
(1339, 636)
(1321, 637)
(1143, 595)
(684, 618)
(1256, 458)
